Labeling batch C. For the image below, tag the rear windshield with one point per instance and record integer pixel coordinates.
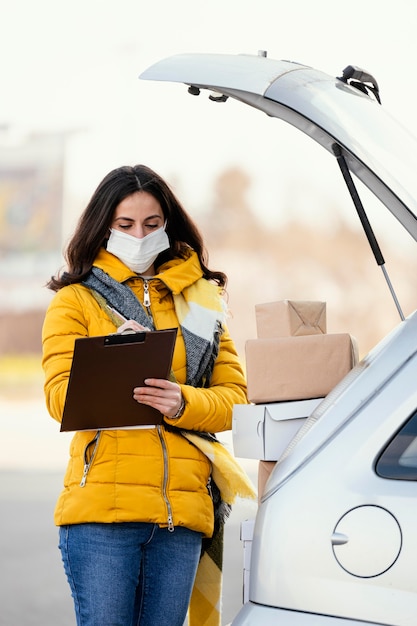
(399, 459)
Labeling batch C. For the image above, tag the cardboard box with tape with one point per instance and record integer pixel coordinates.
(296, 368)
(290, 318)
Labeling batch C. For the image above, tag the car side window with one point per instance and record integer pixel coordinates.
(399, 459)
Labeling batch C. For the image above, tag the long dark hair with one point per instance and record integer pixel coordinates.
(94, 223)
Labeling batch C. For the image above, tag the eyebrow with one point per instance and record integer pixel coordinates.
(131, 219)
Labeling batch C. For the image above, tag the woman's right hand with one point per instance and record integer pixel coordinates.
(132, 325)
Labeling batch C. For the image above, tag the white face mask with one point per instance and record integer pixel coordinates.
(137, 254)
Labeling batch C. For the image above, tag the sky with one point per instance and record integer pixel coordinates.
(74, 67)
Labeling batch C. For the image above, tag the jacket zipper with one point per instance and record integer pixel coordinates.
(89, 461)
(146, 296)
(171, 526)
(94, 442)
(209, 489)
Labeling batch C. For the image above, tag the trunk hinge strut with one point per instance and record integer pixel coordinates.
(364, 221)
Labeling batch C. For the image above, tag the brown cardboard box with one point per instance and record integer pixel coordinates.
(264, 470)
(287, 318)
(295, 368)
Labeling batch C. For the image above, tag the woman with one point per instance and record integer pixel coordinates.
(136, 503)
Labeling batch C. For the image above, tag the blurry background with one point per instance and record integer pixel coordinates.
(280, 225)
(272, 205)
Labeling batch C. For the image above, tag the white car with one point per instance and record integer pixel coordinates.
(335, 539)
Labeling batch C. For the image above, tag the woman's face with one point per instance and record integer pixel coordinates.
(138, 215)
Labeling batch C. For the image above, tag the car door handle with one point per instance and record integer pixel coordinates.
(338, 539)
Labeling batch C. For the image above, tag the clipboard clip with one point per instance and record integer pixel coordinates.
(128, 336)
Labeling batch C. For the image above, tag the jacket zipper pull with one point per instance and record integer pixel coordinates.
(146, 297)
(209, 489)
(171, 526)
(84, 477)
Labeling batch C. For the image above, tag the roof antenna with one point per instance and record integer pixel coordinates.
(364, 220)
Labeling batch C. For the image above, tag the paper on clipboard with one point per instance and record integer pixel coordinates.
(105, 371)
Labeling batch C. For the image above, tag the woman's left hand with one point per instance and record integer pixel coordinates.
(161, 394)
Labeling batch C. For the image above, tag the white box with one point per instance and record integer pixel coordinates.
(263, 431)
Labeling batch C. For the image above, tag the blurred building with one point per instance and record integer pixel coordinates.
(31, 214)
(294, 260)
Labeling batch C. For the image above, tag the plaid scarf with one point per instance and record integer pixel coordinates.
(230, 481)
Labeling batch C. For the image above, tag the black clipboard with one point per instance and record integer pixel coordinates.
(105, 371)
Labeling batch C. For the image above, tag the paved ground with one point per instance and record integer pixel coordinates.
(33, 588)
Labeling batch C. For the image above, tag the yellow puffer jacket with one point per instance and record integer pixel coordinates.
(148, 475)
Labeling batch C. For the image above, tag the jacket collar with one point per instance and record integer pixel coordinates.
(176, 274)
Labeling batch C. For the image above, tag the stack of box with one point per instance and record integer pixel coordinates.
(294, 358)
(290, 367)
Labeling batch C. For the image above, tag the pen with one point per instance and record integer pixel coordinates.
(116, 313)
(124, 319)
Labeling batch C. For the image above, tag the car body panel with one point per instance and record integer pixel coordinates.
(297, 525)
(255, 615)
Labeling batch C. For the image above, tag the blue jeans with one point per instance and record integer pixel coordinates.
(130, 574)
